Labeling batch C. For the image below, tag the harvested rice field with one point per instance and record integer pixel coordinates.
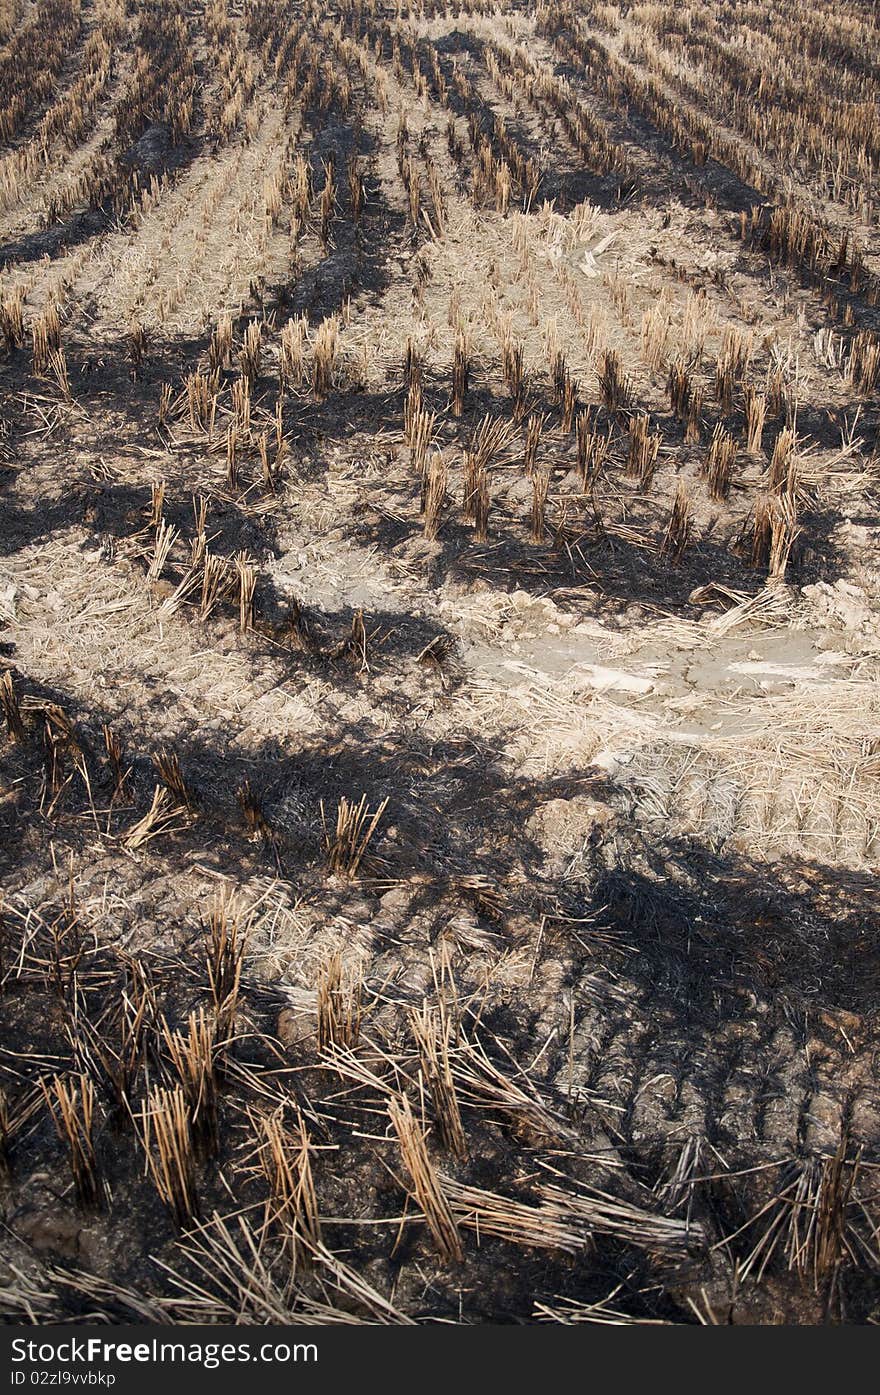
(439, 662)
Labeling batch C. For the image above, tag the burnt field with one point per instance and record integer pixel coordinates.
(439, 639)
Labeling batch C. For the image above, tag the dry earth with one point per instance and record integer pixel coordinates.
(436, 891)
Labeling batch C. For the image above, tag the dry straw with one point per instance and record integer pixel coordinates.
(435, 1031)
(434, 495)
(425, 1182)
(720, 461)
(168, 1147)
(71, 1103)
(284, 1154)
(194, 1056)
(12, 709)
(224, 950)
(677, 535)
(340, 988)
(355, 826)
